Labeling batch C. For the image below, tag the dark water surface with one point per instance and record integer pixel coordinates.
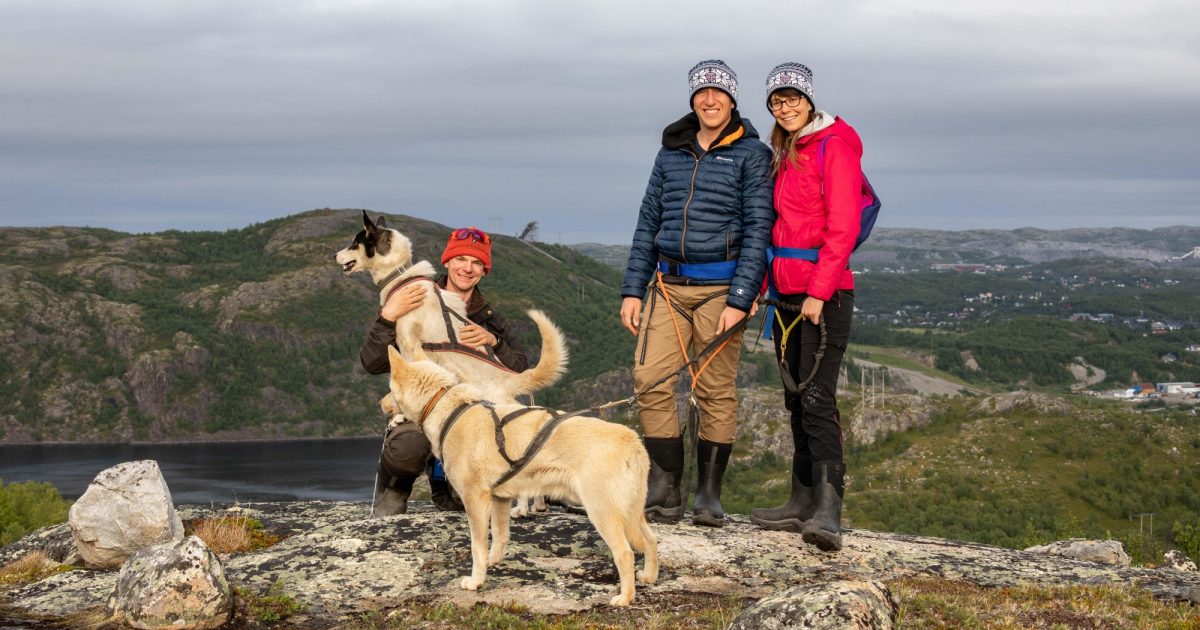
(220, 472)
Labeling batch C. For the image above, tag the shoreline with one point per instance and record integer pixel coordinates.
(178, 442)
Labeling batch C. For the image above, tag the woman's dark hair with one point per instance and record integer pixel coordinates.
(782, 142)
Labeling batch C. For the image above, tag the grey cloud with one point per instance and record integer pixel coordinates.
(148, 115)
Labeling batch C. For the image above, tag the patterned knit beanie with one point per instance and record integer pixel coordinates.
(712, 73)
(791, 75)
(470, 241)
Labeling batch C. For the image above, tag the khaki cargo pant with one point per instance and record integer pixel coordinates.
(657, 354)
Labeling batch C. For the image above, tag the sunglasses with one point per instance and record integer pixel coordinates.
(475, 234)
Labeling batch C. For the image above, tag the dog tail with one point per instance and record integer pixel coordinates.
(553, 362)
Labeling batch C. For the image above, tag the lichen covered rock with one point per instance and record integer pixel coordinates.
(126, 508)
(175, 585)
(1102, 551)
(841, 604)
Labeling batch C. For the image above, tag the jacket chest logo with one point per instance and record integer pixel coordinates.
(721, 158)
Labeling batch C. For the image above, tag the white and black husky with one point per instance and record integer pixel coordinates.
(387, 255)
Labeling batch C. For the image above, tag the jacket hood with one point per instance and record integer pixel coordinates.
(682, 133)
(838, 127)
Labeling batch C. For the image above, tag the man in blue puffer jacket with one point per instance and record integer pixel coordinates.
(704, 223)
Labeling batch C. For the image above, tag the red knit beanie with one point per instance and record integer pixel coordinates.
(470, 241)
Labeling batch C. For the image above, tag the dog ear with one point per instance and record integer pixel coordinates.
(395, 360)
(381, 222)
(367, 222)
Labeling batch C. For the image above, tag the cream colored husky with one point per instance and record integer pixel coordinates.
(600, 465)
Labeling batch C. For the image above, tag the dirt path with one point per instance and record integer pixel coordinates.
(923, 384)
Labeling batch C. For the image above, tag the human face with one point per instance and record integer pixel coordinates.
(791, 118)
(464, 272)
(713, 107)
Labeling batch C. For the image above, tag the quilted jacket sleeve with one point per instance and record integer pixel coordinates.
(843, 198)
(374, 351)
(643, 254)
(758, 216)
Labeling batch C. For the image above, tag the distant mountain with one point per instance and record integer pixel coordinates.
(251, 333)
(1030, 245)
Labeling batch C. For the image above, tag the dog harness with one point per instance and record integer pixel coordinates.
(515, 466)
(453, 345)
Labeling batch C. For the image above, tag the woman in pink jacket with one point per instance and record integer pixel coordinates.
(818, 201)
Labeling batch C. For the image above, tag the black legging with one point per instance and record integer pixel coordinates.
(816, 423)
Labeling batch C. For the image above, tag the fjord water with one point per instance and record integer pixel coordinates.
(211, 472)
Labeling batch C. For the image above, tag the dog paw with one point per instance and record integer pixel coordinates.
(494, 560)
(517, 513)
(620, 600)
(643, 578)
(470, 583)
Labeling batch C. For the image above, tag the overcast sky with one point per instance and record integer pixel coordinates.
(157, 114)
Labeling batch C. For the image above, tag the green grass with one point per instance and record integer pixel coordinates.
(1016, 479)
(649, 611)
(270, 606)
(929, 603)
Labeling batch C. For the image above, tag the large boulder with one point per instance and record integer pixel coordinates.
(846, 604)
(1102, 551)
(126, 508)
(175, 585)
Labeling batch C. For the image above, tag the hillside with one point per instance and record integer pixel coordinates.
(1026, 245)
(250, 333)
(1013, 469)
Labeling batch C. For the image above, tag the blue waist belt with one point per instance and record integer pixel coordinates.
(792, 252)
(781, 252)
(723, 270)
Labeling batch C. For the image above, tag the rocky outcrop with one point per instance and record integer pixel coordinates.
(126, 508)
(1030, 401)
(1175, 559)
(903, 412)
(838, 605)
(175, 585)
(1102, 551)
(339, 562)
(153, 378)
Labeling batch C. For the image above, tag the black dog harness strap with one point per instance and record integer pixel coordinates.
(539, 440)
(449, 424)
(454, 345)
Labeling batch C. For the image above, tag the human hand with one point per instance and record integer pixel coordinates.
(476, 336)
(404, 301)
(753, 308)
(631, 314)
(811, 309)
(730, 317)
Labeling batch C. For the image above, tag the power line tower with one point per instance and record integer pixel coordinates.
(873, 384)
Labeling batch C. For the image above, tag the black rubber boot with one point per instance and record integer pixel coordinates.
(440, 491)
(825, 528)
(711, 460)
(790, 516)
(391, 493)
(663, 503)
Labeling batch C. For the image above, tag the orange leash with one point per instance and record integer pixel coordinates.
(679, 335)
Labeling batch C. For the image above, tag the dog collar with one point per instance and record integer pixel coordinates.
(392, 276)
(403, 284)
(431, 404)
